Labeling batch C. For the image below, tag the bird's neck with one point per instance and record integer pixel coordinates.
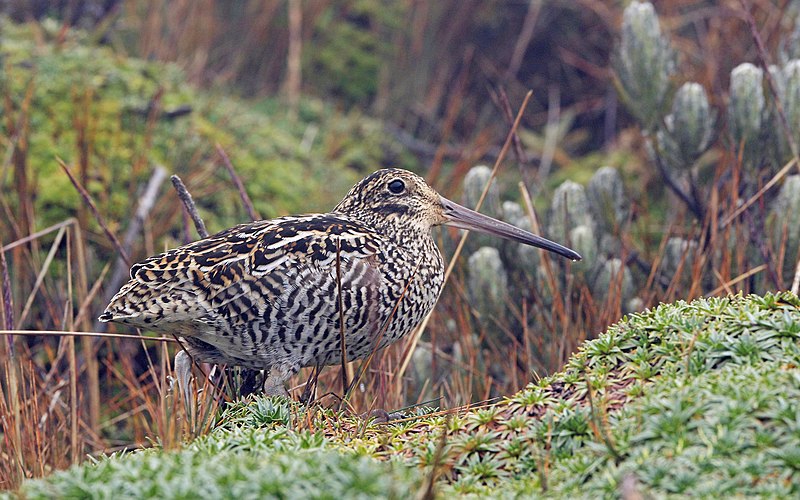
(398, 228)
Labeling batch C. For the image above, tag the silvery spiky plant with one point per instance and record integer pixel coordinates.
(613, 276)
(644, 64)
(610, 208)
(788, 85)
(474, 183)
(487, 283)
(569, 209)
(591, 220)
(785, 213)
(570, 218)
(525, 257)
(747, 112)
(688, 129)
(679, 256)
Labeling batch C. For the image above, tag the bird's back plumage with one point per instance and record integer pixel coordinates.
(266, 294)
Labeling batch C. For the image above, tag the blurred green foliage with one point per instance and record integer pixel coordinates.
(351, 51)
(287, 165)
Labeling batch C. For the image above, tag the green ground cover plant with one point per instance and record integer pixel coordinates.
(690, 398)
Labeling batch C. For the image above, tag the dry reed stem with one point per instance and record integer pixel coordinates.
(415, 336)
(340, 297)
(726, 285)
(237, 181)
(38, 234)
(59, 333)
(40, 276)
(87, 199)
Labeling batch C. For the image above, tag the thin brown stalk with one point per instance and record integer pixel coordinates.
(59, 333)
(75, 452)
(237, 181)
(726, 286)
(342, 341)
(40, 277)
(84, 298)
(411, 345)
(93, 208)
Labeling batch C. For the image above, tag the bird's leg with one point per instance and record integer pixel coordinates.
(274, 385)
(252, 380)
(183, 373)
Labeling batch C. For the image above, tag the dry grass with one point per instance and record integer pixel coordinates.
(65, 397)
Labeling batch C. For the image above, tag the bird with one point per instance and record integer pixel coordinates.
(271, 294)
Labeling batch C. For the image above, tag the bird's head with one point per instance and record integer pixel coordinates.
(401, 199)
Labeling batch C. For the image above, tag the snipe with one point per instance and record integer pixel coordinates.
(265, 295)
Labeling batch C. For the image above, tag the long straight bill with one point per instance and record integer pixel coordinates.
(464, 218)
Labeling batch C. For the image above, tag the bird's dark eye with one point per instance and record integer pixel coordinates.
(397, 186)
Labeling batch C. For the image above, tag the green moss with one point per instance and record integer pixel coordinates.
(288, 166)
(691, 398)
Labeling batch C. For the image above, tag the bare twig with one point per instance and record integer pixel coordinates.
(188, 203)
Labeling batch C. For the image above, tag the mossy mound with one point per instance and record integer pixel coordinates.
(112, 118)
(688, 398)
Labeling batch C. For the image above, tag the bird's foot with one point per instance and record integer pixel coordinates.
(274, 385)
(183, 373)
(381, 416)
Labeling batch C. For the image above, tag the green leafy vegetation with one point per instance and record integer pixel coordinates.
(689, 398)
